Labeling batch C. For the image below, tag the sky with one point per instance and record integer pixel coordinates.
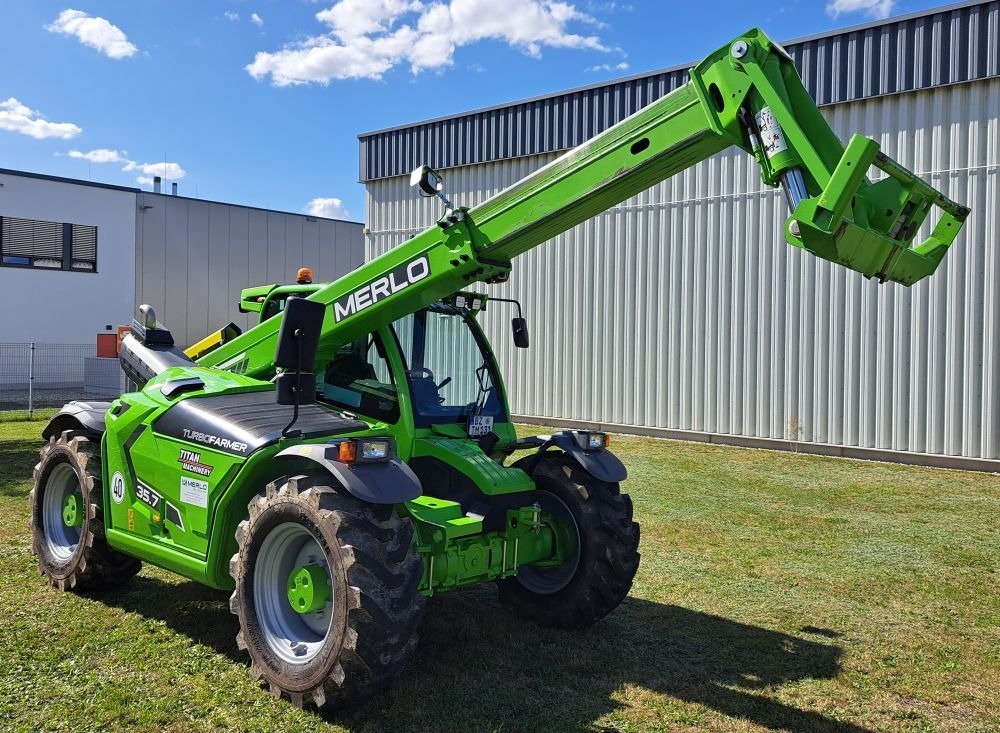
(260, 102)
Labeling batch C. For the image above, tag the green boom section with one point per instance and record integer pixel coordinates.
(746, 94)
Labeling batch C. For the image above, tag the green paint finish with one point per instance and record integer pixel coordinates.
(466, 456)
(457, 552)
(731, 86)
(72, 510)
(308, 589)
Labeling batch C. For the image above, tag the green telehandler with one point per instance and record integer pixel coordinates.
(352, 453)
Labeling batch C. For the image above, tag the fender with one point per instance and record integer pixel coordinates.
(602, 464)
(78, 415)
(381, 482)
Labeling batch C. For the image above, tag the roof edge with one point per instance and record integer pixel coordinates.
(143, 192)
(671, 69)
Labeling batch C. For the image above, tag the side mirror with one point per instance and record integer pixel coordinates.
(298, 339)
(519, 326)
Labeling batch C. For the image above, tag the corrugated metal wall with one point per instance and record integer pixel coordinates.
(193, 257)
(683, 308)
(950, 45)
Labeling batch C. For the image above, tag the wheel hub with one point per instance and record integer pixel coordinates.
(308, 589)
(72, 511)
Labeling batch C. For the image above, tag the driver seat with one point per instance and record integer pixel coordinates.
(425, 392)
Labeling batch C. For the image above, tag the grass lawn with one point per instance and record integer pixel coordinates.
(776, 591)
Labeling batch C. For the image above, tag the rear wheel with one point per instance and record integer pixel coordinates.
(67, 518)
(326, 592)
(598, 576)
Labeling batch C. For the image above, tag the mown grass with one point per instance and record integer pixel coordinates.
(776, 591)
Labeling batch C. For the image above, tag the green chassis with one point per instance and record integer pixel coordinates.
(455, 549)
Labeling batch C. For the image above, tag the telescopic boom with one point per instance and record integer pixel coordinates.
(747, 95)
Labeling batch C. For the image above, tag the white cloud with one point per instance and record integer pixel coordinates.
(256, 20)
(874, 8)
(230, 15)
(609, 67)
(100, 155)
(329, 208)
(367, 38)
(95, 32)
(166, 171)
(17, 117)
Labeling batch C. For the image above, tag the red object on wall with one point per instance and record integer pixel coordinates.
(107, 345)
(122, 330)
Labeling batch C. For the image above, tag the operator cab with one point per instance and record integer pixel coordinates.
(447, 366)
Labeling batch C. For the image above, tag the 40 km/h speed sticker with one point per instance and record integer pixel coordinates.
(118, 488)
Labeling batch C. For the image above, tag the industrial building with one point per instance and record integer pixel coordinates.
(77, 258)
(682, 313)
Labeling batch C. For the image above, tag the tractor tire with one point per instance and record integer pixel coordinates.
(598, 577)
(361, 630)
(73, 553)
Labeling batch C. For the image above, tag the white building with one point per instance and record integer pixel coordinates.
(77, 258)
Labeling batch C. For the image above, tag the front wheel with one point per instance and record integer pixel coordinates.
(598, 576)
(326, 592)
(67, 518)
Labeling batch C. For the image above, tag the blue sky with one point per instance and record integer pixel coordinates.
(260, 102)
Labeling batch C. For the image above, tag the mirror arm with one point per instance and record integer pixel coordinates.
(492, 299)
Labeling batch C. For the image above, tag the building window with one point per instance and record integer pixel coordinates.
(47, 245)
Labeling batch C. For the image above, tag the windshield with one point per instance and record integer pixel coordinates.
(449, 371)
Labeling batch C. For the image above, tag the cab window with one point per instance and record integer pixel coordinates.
(358, 380)
(448, 367)
(273, 307)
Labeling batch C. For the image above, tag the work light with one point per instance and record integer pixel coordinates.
(589, 440)
(374, 450)
(364, 450)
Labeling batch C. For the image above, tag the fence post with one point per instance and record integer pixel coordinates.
(31, 382)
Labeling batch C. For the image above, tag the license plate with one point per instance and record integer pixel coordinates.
(480, 425)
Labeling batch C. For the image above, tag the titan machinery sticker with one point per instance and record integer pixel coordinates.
(191, 461)
(194, 491)
(383, 287)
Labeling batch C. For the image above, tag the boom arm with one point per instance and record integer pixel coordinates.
(747, 94)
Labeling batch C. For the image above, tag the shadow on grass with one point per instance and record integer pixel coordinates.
(191, 609)
(17, 459)
(480, 668)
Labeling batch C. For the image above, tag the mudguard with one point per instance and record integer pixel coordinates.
(78, 415)
(602, 464)
(382, 482)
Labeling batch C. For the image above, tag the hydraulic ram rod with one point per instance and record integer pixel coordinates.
(746, 94)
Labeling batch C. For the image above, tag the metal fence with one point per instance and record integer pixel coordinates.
(37, 376)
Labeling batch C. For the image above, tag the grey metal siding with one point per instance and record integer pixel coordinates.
(683, 309)
(934, 48)
(193, 257)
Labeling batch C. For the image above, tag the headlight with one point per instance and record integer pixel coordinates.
(363, 450)
(592, 441)
(374, 450)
